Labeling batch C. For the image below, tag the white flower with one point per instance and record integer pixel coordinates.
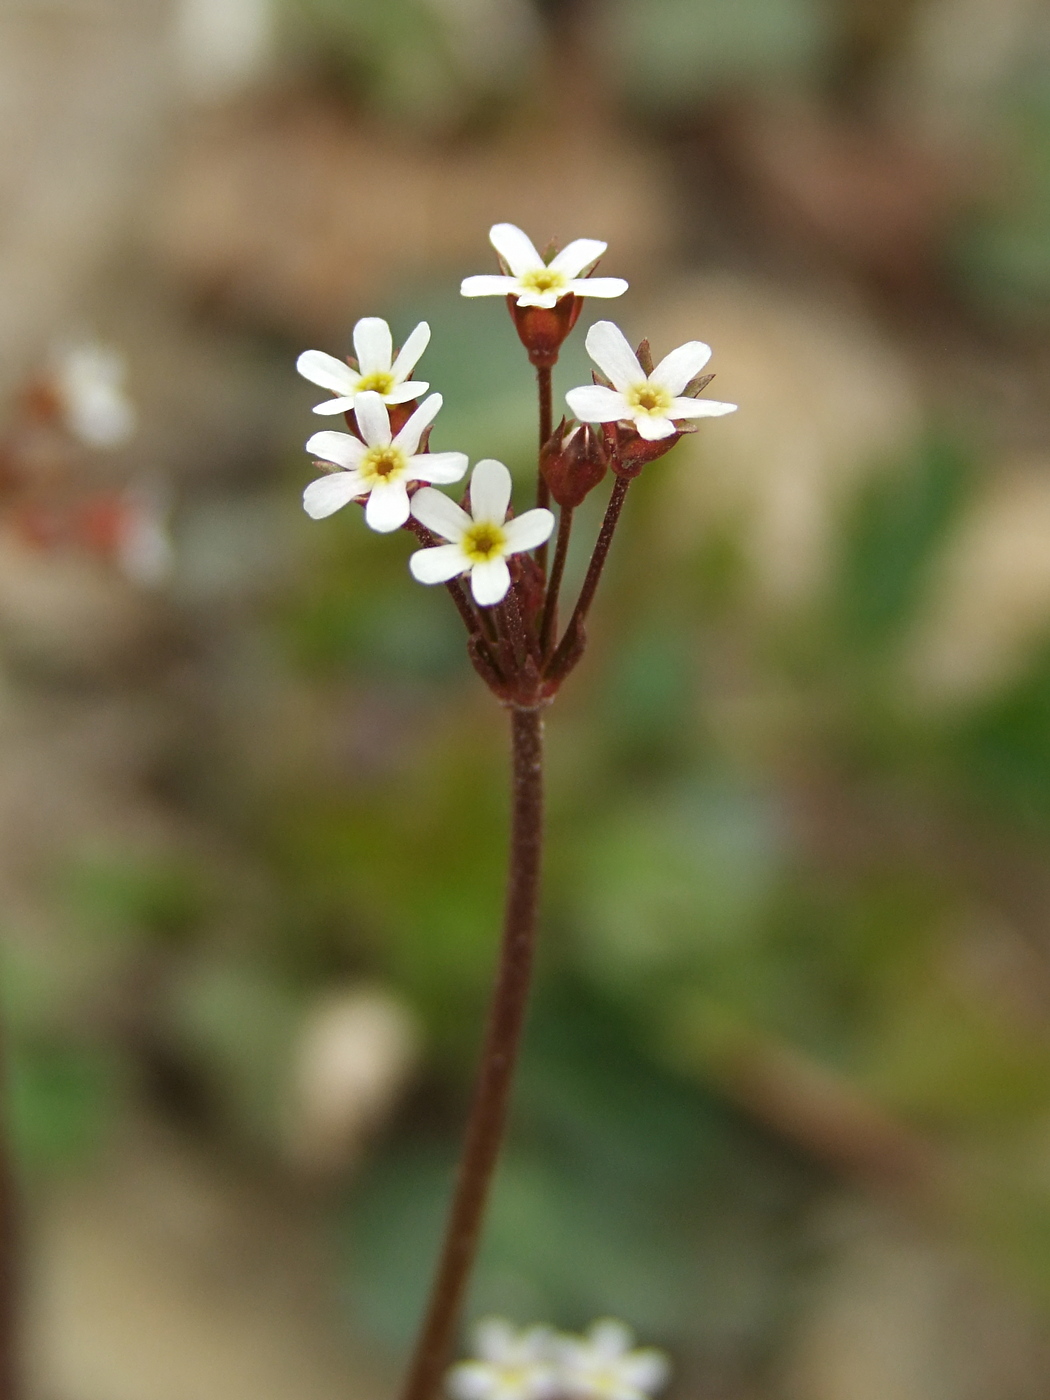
(650, 401)
(512, 1365)
(603, 1366)
(378, 370)
(89, 382)
(481, 541)
(536, 283)
(379, 468)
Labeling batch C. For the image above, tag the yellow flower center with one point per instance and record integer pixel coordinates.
(383, 464)
(483, 542)
(381, 382)
(545, 279)
(650, 398)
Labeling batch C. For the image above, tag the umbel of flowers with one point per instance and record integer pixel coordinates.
(493, 561)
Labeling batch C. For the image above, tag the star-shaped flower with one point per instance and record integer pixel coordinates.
(512, 1365)
(379, 467)
(603, 1366)
(377, 369)
(652, 402)
(536, 283)
(479, 542)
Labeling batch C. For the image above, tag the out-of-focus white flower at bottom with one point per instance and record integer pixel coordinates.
(605, 1365)
(510, 1365)
(88, 380)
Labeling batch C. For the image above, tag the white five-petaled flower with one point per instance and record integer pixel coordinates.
(603, 1365)
(89, 382)
(511, 1365)
(536, 283)
(381, 467)
(479, 542)
(377, 370)
(652, 402)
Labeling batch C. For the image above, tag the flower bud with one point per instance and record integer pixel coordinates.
(573, 461)
(542, 331)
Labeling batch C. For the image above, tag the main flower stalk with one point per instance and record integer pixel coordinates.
(499, 1058)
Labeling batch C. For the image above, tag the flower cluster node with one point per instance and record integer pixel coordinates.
(573, 462)
(541, 1364)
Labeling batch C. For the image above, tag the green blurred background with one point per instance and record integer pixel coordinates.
(785, 1102)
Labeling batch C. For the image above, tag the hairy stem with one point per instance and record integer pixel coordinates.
(488, 1112)
(550, 607)
(543, 495)
(594, 573)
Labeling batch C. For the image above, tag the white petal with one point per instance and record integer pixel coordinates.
(494, 1339)
(653, 428)
(529, 530)
(372, 418)
(610, 1338)
(438, 513)
(408, 438)
(439, 564)
(326, 371)
(675, 370)
(387, 507)
(578, 255)
(470, 1380)
(537, 1343)
(593, 403)
(408, 356)
(334, 406)
(486, 285)
(404, 393)
(490, 491)
(443, 467)
(598, 287)
(545, 299)
(700, 408)
(489, 581)
(374, 344)
(328, 494)
(608, 348)
(645, 1370)
(341, 448)
(515, 248)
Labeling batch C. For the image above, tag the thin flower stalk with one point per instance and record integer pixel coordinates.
(489, 1107)
(550, 606)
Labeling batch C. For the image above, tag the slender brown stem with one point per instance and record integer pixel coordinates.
(543, 495)
(594, 572)
(10, 1386)
(488, 1113)
(550, 606)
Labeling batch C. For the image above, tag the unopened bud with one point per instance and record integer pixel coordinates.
(543, 330)
(573, 461)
